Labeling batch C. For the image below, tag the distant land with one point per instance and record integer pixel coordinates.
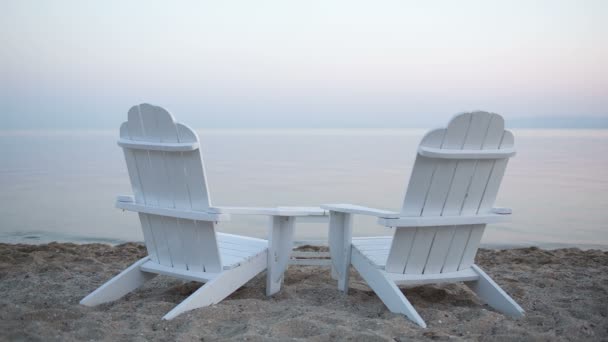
(559, 122)
(218, 121)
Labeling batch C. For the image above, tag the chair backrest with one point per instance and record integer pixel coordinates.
(450, 187)
(170, 178)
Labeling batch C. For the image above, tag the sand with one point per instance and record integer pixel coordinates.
(564, 293)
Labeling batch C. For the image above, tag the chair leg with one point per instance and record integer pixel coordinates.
(221, 286)
(385, 288)
(333, 272)
(493, 295)
(125, 282)
(280, 244)
(340, 236)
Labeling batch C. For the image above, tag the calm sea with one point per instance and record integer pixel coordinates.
(61, 186)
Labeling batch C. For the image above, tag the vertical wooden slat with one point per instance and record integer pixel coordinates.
(413, 204)
(439, 250)
(173, 233)
(194, 171)
(162, 246)
(138, 164)
(496, 176)
(193, 253)
(421, 177)
(158, 123)
(463, 180)
(420, 250)
(456, 249)
(280, 244)
(195, 184)
(207, 242)
(138, 192)
(445, 184)
(148, 237)
(468, 255)
(479, 186)
(154, 122)
(401, 246)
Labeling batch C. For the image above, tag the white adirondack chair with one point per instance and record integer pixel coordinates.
(178, 221)
(448, 202)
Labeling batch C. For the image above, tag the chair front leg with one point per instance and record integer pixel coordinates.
(280, 244)
(340, 238)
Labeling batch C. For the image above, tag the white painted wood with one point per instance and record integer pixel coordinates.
(162, 245)
(207, 243)
(231, 261)
(425, 196)
(277, 211)
(173, 234)
(455, 238)
(221, 286)
(440, 153)
(496, 176)
(439, 249)
(456, 249)
(470, 250)
(170, 195)
(431, 221)
(366, 245)
(184, 214)
(193, 253)
(140, 174)
(419, 252)
(153, 146)
(340, 236)
(493, 295)
(502, 211)
(239, 239)
(421, 177)
(448, 202)
(433, 278)
(378, 255)
(280, 243)
(385, 288)
(195, 178)
(125, 282)
(208, 246)
(148, 237)
(242, 210)
(357, 209)
(479, 184)
(153, 267)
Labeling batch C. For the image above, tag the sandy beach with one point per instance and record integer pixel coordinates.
(564, 293)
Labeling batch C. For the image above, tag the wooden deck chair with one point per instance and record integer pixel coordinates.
(448, 202)
(178, 222)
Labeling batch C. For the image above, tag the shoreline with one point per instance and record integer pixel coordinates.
(41, 238)
(564, 293)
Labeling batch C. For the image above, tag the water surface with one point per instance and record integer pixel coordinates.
(61, 186)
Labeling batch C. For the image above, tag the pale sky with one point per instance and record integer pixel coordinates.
(313, 63)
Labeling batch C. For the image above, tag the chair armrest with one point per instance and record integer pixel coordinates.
(277, 211)
(445, 221)
(357, 209)
(501, 211)
(242, 210)
(128, 203)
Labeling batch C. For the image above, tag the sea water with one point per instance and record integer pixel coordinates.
(61, 185)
